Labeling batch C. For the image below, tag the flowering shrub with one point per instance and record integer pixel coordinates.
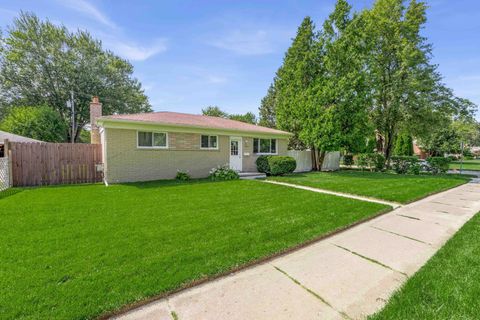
(223, 173)
(182, 175)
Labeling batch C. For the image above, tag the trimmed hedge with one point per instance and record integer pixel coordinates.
(405, 164)
(276, 165)
(375, 161)
(262, 164)
(438, 164)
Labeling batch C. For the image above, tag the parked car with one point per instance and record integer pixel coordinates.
(424, 165)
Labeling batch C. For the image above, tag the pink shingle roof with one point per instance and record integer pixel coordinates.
(193, 120)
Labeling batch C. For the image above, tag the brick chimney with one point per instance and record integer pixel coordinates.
(95, 112)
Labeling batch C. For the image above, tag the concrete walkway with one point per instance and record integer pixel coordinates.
(335, 193)
(347, 276)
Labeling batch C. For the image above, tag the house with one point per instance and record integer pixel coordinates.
(153, 146)
(419, 152)
(12, 138)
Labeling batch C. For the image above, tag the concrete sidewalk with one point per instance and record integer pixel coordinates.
(335, 193)
(347, 276)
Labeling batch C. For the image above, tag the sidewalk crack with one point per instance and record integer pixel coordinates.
(316, 295)
(401, 235)
(409, 217)
(173, 314)
(370, 259)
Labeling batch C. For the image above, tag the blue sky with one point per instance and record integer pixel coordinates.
(191, 54)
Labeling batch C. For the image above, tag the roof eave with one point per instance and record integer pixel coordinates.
(140, 124)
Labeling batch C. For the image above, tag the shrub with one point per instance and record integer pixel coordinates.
(279, 165)
(362, 160)
(223, 173)
(348, 159)
(438, 164)
(262, 164)
(275, 165)
(374, 161)
(182, 175)
(405, 164)
(415, 168)
(377, 161)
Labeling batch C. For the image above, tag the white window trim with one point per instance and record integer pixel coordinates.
(266, 153)
(209, 135)
(153, 147)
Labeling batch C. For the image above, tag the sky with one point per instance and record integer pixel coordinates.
(192, 54)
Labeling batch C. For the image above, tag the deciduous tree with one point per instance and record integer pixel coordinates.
(40, 123)
(42, 63)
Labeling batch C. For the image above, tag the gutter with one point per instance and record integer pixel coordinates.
(134, 124)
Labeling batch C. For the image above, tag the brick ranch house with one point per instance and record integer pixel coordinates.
(153, 146)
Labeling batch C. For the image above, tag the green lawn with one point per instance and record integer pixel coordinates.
(76, 252)
(447, 287)
(387, 186)
(473, 165)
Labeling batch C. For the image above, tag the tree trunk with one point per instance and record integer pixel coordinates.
(321, 157)
(314, 159)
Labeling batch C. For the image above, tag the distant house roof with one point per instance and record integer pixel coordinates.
(191, 120)
(15, 137)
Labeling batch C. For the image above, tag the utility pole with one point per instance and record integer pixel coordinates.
(461, 157)
(72, 105)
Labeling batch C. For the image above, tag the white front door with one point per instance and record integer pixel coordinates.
(236, 153)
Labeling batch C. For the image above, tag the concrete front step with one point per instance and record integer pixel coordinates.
(252, 175)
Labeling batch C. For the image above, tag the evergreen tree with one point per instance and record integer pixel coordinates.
(294, 79)
(267, 108)
(404, 145)
(320, 98)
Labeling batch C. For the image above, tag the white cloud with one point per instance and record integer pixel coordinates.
(215, 79)
(246, 42)
(90, 10)
(136, 52)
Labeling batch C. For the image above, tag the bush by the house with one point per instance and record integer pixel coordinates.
(262, 164)
(276, 165)
(182, 175)
(438, 164)
(405, 164)
(374, 161)
(280, 165)
(348, 159)
(223, 173)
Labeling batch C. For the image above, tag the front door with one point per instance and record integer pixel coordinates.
(236, 153)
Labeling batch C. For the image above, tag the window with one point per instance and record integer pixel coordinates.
(209, 142)
(234, 148)
(152, 139)
(264, 146)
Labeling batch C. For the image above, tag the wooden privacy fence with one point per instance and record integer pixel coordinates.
(35, 164)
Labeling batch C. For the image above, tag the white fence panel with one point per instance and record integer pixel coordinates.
(331, 161)
(4, 174)
(303, 158)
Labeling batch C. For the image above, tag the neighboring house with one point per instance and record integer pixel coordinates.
(421, 154)
(152, 146)
(12, 138)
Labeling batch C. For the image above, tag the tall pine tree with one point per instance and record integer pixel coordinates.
(294, 78)
(267, 108)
